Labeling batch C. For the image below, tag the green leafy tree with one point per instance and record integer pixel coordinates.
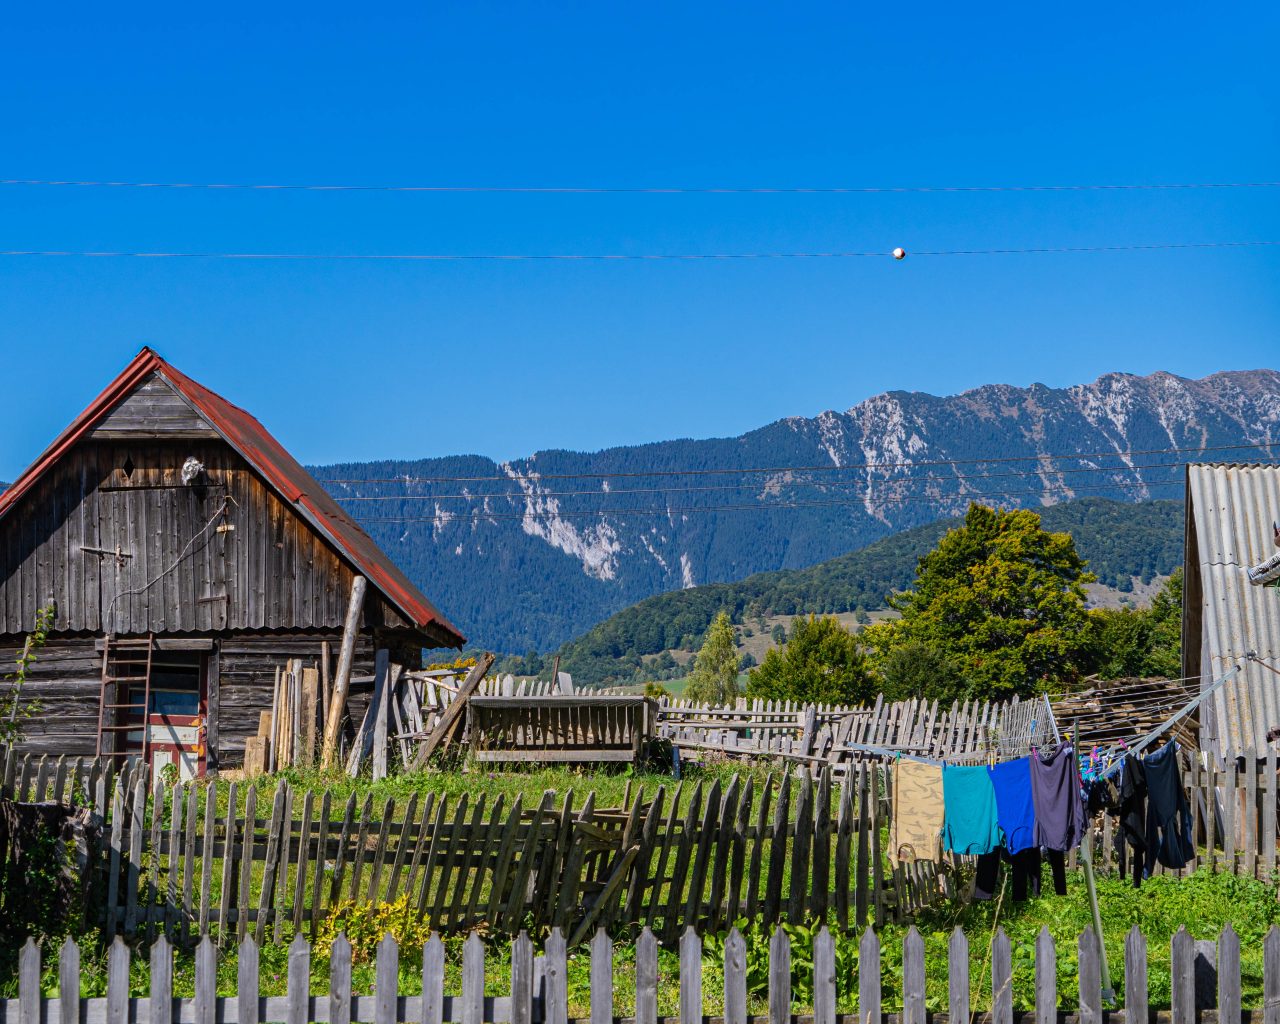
(714, 679)
(1001, 597)
(915, 669)
(822, 662)
(1144, 642)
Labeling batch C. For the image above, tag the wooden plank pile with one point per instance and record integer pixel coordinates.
(289, 732)
(1126, 709)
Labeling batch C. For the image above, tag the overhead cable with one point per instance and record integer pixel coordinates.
(700, 488)
(647, 189)
(313, 257)
(827, 467)
(698, 509)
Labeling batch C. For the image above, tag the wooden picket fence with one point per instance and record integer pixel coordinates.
(838, 735)
(276, 862)
(539, 991)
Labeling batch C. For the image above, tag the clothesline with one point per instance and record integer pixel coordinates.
(1168, 723)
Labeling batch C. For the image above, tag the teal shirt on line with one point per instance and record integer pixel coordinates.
(969, 810)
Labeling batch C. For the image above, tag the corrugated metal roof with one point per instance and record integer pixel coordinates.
(1230, 509)
(281, 471)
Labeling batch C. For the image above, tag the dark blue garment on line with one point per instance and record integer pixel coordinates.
(969, 810)
(1015, 807)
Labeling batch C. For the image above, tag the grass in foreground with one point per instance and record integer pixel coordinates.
(1203, 903)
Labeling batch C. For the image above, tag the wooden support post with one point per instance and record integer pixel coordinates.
(273, 747)
(342, 679)
(452, 715)
(326, 680)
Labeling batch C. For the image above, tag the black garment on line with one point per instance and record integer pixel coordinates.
(1026, 870)
(1132, 811)
(1168, 824)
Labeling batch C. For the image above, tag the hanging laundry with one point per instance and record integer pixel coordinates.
(917, 812)
(1026, 867)
(1168, 824)
(1059, 804)
(970, 802)
(1015, 809)
(1123, 795)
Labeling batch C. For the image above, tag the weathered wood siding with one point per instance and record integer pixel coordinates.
(154, 409)
(64, 682)
(269, 571)
(66, 678)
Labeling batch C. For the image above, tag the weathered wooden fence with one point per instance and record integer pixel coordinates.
(274, 860)
(838, 736)
(539, 992)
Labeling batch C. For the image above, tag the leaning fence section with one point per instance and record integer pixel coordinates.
(835, 735)
(271, 861)
(537, 990)
(274, 861)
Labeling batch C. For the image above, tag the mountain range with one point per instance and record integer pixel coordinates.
(528, 553)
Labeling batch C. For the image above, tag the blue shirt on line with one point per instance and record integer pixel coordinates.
(1015, 808)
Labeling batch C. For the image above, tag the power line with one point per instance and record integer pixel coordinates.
(682, 488)
(689, 257)
(645, 190)
(823, 468)
(759, 506)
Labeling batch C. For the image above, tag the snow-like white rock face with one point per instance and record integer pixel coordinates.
(686, 572)
(596, 546)
(645, 539)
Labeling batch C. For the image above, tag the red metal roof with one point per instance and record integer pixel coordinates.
(281, 471)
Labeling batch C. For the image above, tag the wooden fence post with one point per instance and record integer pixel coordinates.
(1090, 977)
(1135, 977)
(1046, 978)
(556, 1008)
(433, 977)
(1002, 979)
(29, 983)
(247, 982)
(601, 978)
(298, 993)
(1228, 975)
(913, 1007)
(647, 977)
(958, 977)
(824, 977)
(1271, 977)
(779, 979)
(690, 978)
(869, 978)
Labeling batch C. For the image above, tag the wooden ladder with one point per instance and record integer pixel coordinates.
(121, 661)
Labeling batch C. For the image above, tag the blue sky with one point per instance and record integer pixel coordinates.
(358, 360)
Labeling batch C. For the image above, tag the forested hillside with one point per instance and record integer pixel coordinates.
(530, 553)
(1120, 541)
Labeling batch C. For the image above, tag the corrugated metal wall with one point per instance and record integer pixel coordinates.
(1232, 508)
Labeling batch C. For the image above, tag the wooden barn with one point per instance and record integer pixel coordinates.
(187, 558)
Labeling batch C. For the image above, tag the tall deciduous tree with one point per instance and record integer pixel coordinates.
(714, 679)
(1003, 600)
(822, 663)
(1142, 641)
